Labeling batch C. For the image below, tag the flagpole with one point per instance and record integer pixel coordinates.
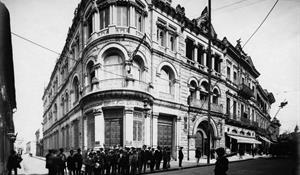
(209, 80)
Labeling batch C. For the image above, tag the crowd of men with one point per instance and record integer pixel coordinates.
(109, 161)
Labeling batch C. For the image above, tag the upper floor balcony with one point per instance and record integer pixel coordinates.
(232, 119)
(203, 104)
(118, 84)
(245, 91)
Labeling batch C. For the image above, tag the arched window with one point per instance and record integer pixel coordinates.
(234, 131)
(242, 133)
(67, 102)
(113, 65)
(63, 105)
(216, 96)
(167, 80)
(193, 89)
(90, 74)
(55, 112)
(76, 89)
(204, 91)
(137, 68)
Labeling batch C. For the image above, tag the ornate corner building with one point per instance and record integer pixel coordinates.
(8, 103)
(105, 92)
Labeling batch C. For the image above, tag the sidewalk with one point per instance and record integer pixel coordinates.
(203, 162)
(192, 164)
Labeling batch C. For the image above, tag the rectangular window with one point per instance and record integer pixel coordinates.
(122, 16)
(228, 106)
(139, 22)
(234, 109)
(138, 126)
(200, 55)
(228, 72)
(189, 49)
(161, 35)
(172, 42)
(217, 63)
(234, 77)
(185, 122)
(104, 18)
(90, 26)
(242, 110)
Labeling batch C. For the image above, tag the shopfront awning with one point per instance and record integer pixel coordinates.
(265, 139)
(245, 139)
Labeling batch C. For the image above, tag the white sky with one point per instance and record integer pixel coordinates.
(274, 49)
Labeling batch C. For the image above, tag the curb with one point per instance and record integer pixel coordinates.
(198, 166)
(40, 158)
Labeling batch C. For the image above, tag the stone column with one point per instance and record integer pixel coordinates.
(99, 127)
(204, 57)
(85, 135)
(154, 129)
(147, 129)
(195, 53)
(212, 62)
(177, 134)
(128, 126)
(96, 20)
(131, 20)
(197, 93)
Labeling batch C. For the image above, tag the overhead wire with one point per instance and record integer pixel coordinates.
(228, 5)
(261, 23)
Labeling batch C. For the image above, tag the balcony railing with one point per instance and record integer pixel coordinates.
(120, 83)
(245, 91)
(204, 105)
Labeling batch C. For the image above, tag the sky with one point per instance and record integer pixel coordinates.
(274, 49)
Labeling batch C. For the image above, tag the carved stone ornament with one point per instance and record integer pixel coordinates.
(180, 10)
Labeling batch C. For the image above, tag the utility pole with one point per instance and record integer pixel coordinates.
(209, 80)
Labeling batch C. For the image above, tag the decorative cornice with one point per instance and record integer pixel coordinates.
(109, 94)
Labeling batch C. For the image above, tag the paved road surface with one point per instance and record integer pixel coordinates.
(280, 166)
(261, 166)
(31, 165)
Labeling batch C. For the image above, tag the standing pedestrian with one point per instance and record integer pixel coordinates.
(165, 158)
(180, 156)
(61, 162)
(152, 160)
(169, 157)
(78, 162)
(158, 157)
(71, 163)
(13, 163)
(198, 155)
(222, 162)
(50, 165)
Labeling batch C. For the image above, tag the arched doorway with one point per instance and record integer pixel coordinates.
(201, 140)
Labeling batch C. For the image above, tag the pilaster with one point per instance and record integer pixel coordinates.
(147, 131)
(99, 127)
(128, 126)
(154, 132)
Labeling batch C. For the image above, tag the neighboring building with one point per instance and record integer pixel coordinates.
(7, 90)
(39, 143)
(31, 148)
(98, 95)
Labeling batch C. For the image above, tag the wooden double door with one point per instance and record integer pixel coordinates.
(165, 131)
(113, 127)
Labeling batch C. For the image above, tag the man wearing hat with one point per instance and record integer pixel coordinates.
(221, 163)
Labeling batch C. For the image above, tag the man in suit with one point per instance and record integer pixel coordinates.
(180, 156)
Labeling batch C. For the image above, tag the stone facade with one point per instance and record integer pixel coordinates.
(104, 92)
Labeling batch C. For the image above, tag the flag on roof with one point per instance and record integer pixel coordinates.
(282, 104)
